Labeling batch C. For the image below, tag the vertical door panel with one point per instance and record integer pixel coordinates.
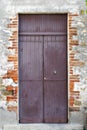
(55, 57)
(55, 102)
(31, 78)
(31, 103)
(55, 91)
(31, 57)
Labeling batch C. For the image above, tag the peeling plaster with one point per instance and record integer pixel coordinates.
(8, 82)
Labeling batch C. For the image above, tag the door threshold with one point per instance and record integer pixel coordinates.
(42, 126)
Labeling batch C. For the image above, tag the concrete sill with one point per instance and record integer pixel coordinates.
(43, 127)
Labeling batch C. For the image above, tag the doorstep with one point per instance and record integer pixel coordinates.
(44, 127)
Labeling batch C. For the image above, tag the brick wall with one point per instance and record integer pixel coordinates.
(77, 52)
(13, 74)
(74, 99)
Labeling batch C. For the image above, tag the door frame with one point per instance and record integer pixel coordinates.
(68, 66)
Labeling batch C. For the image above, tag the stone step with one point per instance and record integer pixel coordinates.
(43, 127)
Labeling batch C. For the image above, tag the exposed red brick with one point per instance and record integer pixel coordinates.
(13, 39)
(73, 60)
(12, 108)
(71, 102)
(71, 56)
(15, 66)
(72, 53)
(9, 88)
(11, 98)
(12, 58)
(75, 94)
(71, 86)
(15, 44)
(74, 76)
(70, 48)
(71, 68)
(70, 14)
(73, 42)
(70, 19)
(76, 63)
(71, 72)
(15, 79)
(12, 26)
(74, 80)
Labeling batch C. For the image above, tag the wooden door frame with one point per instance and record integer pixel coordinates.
(68, 81)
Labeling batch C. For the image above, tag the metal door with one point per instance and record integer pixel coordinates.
(55, 71)
(43, 68)
(31, 79)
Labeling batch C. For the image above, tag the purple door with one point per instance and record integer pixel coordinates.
(55, 107)
(43, 68)
(31, 79)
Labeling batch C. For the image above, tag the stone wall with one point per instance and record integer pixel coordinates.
(81, 54)
(77, 46)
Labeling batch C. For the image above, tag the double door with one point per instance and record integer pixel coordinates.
(43, 91)
(42, 69)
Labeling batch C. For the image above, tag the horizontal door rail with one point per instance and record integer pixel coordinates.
(42, 79)
(42, 33)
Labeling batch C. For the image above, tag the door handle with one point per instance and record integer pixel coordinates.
(44, 78)
(55, 72)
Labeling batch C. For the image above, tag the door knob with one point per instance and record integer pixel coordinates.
(54, 72)
(44, 78)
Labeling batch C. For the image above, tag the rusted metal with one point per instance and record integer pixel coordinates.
(43, 68)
